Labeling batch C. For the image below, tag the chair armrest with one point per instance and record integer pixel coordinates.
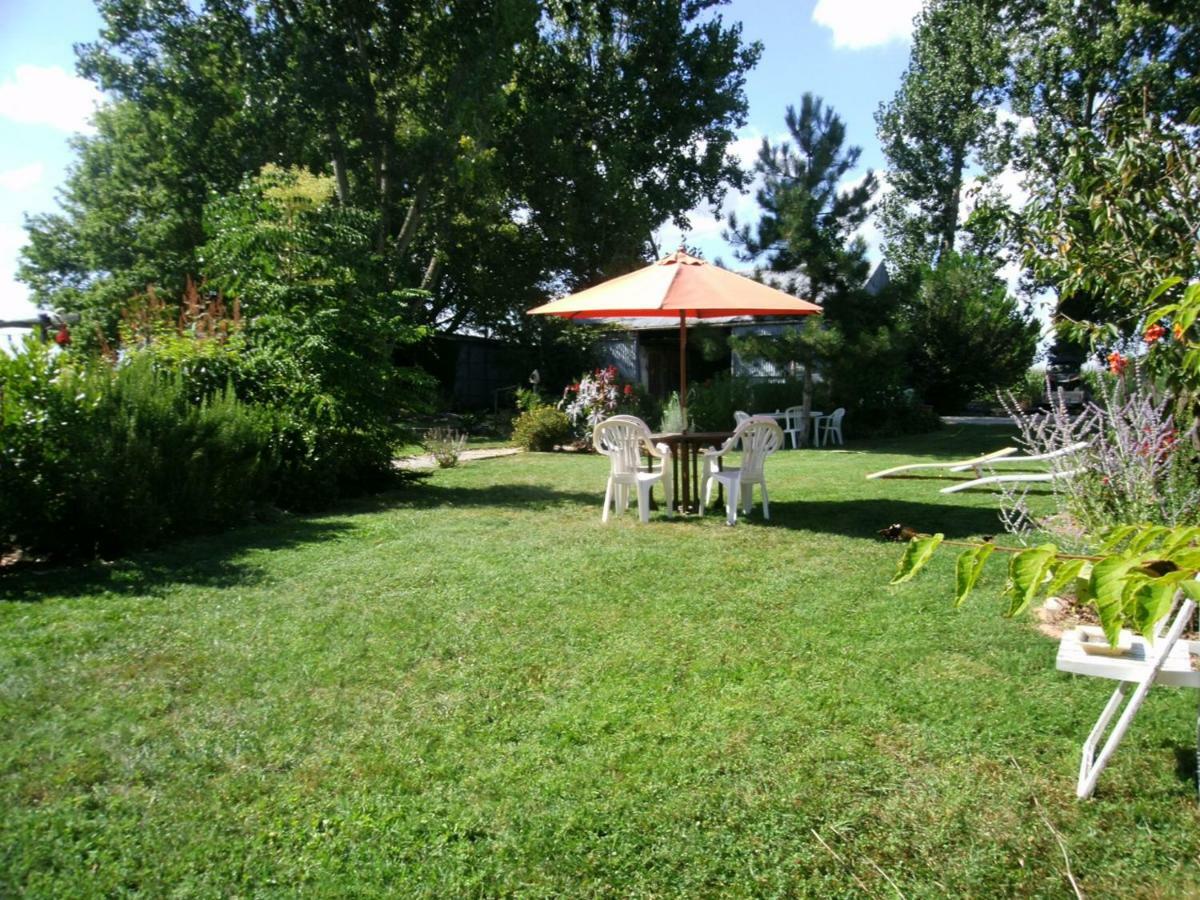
(658, 451)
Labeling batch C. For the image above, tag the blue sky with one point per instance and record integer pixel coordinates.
(851, 52)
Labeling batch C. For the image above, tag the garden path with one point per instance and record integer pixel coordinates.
(427, 461)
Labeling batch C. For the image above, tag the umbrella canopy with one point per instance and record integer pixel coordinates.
(678, 286)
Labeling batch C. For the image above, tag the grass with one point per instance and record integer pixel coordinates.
(473, 687)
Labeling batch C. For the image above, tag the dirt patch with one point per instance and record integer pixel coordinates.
(1060, 614)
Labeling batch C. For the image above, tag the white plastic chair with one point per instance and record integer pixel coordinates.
(793, 424)
(739, 417)
(622, 439)
(830, 426)
(759, 436)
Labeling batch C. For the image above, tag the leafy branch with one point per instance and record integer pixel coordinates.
(1132, 583)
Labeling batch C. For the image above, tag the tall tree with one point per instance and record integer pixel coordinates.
(497, 144)
(942, 121)
(809, 216)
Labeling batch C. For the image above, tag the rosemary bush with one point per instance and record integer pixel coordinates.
(445, 445)
(1136, 466)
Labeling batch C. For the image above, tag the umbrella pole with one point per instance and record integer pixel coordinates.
(683, 368)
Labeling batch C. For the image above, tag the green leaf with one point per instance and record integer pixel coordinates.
(1191, 589)
(1107, 589)
(1148, 536)
(1163, 287)
(1064, 574)
(967, 570)
(1181, 538)
(1153, 601)
(1026, 572)
(916, 555)
(1115, 536)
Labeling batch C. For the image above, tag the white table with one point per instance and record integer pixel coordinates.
(813, 415)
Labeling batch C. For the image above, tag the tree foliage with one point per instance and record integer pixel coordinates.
(966, 335)
(807, 226)
(943, 119)
(498, 147)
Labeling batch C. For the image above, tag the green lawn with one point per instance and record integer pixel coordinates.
(473, 687)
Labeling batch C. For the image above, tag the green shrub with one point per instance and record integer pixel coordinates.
(101, 459)
(711, 404)
(542, 429)
(772, 395)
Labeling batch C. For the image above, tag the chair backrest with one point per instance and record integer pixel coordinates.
(739, 417)
(793, 418)
(621, 439)
(760, 436)
(836, 417)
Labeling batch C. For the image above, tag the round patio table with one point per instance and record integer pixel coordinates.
(685, 463)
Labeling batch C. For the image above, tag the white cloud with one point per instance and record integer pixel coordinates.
(23, 178)
(49, 95)
(14, 296)
(857, 24)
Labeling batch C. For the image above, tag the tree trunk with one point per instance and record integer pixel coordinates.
(949, 223)
(806, 402)
(339, 164)
(409, 229)
(431, 271)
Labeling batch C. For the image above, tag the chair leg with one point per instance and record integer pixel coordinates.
(669, 495)
(608, 498)
(747, 492)
(643, 490)
(732, 502)
(765, 500)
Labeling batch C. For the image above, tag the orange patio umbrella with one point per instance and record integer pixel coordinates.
(678, 286)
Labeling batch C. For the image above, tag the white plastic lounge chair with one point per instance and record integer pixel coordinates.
(1166, 661)
(830, 426)
(1052, 475)
(959, 466)
(759, 436)
(622, 439)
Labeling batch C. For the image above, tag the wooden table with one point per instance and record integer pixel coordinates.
(686, 448)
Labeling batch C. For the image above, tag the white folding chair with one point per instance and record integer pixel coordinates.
(1166, 661)
(830, 426)
(622, 439)
(759, 437)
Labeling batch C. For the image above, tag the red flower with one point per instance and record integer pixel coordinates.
(63, 337)
(1117, 363)
(629, 390)
(1154, 333)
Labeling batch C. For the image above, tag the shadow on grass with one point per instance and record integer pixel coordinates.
(865, 518)
(1186, 765)
(208, 561)
(953, 441)
(218, 560)
(513, 495)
